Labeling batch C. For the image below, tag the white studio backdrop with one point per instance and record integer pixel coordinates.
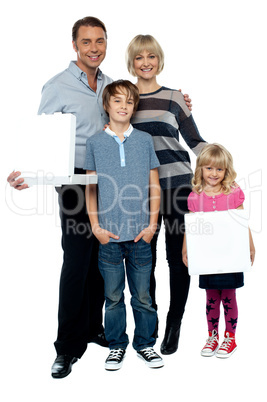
(214, 51)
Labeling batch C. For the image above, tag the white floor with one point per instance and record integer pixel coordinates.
(29, 292)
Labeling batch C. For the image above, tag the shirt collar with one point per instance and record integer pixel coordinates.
(78, 73)
(126, 133)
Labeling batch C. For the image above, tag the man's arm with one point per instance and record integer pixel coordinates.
(154, 188)
(50, 101)
(102, 235)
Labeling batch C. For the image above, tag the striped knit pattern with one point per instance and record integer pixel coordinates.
(164, 114)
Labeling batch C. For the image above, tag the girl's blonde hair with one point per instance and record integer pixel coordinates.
(214, 155)
(140, 43)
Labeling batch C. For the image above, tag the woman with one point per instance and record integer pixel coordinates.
(163, 113)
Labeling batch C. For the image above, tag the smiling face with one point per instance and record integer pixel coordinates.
(146, 65)
(213, 176)
(90, 46)
(120, 109)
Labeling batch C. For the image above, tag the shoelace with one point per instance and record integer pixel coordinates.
(149, 353)
(115, 354)
(211, 340)
(226, 343)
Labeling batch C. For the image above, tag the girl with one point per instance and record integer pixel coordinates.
(162, 112)
(214, 189)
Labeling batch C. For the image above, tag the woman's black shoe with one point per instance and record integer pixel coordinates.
(170, 342)
(62, 366)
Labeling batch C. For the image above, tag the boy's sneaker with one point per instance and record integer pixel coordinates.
(115, 359)
(150, 357)
(212, 344)
(228, 346)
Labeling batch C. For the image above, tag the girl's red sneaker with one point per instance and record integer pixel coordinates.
(212, 344)
(228, 346)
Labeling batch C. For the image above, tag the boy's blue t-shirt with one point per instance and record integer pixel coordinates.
(123, 191)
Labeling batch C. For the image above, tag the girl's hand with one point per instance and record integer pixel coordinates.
(252, 248)
(184, 252)
(184, 257)
(252, 254)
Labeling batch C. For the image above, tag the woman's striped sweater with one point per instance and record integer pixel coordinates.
(164, 114)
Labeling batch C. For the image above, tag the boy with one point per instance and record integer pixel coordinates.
(124, 220)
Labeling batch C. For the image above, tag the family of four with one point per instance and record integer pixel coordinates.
(129, 136)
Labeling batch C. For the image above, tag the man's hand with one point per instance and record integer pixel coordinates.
(187, 101)
(17, 184)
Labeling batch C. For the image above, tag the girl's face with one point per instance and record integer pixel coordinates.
(146, 65)
(213, 176)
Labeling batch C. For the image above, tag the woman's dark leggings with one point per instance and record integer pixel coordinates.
(173, 208)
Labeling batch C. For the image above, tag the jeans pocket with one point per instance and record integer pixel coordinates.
(110, 253)
(143, 254)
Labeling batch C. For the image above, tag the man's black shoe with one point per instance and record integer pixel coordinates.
(62, 366)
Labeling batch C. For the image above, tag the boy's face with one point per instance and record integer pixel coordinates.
(120, 108)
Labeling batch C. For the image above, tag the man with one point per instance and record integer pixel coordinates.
(78, 90)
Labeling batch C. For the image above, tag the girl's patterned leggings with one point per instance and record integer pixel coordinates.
(228, 299)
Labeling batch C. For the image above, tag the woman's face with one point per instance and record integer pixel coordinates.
(146, 65)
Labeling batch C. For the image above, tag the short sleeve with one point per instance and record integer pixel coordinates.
(239, 197)
(193, 201)
(89, 157)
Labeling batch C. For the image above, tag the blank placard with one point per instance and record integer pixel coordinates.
(217, 242)
(46, 146)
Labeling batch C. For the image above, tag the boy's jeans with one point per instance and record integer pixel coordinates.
(138, 260)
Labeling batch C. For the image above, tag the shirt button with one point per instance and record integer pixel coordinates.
(214, 206)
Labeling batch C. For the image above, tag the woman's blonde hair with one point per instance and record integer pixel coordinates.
(140, 43)
(214, 155)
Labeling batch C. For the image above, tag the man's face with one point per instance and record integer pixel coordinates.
(90, 46)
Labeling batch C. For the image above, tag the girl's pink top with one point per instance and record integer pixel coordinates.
(221, 202)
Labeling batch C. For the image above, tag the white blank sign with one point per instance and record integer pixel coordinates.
(46, 150)
(217, 242)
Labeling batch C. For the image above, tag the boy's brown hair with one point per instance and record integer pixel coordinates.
(120, 86)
